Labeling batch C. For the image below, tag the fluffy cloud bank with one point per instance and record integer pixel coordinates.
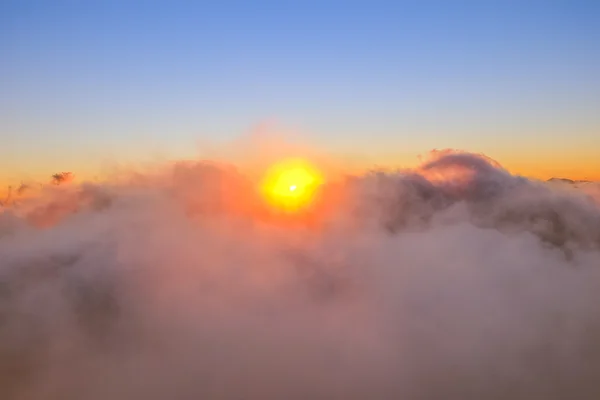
(454, 280)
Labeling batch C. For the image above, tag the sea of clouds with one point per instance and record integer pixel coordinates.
(453, 280)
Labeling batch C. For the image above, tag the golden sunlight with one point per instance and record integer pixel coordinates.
(291, 185)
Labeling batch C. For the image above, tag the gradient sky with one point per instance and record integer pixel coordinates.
(86, 82)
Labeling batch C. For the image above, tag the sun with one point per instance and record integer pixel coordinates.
(291, 185)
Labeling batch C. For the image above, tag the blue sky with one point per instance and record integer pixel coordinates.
(87, 81)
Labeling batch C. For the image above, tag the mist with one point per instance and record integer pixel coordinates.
(452, 280)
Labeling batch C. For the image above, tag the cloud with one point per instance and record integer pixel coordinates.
(62, 177)
(453, 280)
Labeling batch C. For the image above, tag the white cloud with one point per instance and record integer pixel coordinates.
(455, 280)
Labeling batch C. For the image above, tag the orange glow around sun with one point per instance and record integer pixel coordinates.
(291, 185)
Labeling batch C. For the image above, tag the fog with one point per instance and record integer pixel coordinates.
(453, 280)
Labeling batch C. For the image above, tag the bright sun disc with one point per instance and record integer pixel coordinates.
(291, 185)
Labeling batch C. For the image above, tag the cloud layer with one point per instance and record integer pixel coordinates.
(455, 280)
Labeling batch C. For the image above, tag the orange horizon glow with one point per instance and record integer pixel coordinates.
(570, 166)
